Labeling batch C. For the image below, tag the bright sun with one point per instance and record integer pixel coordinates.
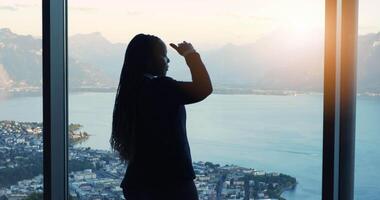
(301, 30)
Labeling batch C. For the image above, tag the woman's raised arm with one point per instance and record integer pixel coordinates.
(200, 86)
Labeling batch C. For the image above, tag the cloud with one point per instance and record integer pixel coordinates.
(8, 8)
(367, 27)
(258, 18)
(133, 13)
(242, 16)
(16, 7)
(25, 5)
(82, 9)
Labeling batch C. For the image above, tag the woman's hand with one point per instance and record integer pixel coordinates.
(200, 87)
(183, 48)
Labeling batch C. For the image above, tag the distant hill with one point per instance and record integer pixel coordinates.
(96, 50)
(369, 63)
(21, 63)
(274, 62)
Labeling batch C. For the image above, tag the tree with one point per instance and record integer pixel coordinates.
(40, 196)
(35, 196)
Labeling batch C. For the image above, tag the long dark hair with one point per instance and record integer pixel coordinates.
(138, 58)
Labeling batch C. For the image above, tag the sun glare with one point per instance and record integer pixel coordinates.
(302, 30)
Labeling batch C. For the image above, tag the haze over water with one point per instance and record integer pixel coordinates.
(271, 133)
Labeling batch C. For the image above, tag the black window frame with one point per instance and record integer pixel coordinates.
(339, 99)
(55, 99)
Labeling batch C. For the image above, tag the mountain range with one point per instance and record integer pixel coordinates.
(274, 62)
(21, 64)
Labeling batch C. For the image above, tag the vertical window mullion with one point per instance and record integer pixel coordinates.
(339, 99)
(55, 99)
(329, 99)
(348, 98)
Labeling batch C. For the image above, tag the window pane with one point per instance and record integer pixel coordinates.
(367, 152)
(21, 148)
(261, 127)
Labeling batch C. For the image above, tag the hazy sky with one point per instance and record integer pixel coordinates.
(208, 23)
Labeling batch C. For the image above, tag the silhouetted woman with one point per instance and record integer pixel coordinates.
(149, 120)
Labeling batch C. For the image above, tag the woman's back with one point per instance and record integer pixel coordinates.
(149, 120)
(162, 149)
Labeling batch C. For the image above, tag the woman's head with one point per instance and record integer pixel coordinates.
(144, 54)
(148, 54)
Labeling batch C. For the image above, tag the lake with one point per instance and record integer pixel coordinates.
(265, 132)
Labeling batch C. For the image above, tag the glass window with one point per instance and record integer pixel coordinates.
(21, 175)
(259, 134)
(368, 102)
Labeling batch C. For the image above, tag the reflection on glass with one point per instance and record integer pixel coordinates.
(259, 135)
(20, 100)
(368, 102)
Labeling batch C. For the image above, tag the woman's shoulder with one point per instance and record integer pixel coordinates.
(164, 79)
(169, 88)
(159, 81)
(165, 82)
